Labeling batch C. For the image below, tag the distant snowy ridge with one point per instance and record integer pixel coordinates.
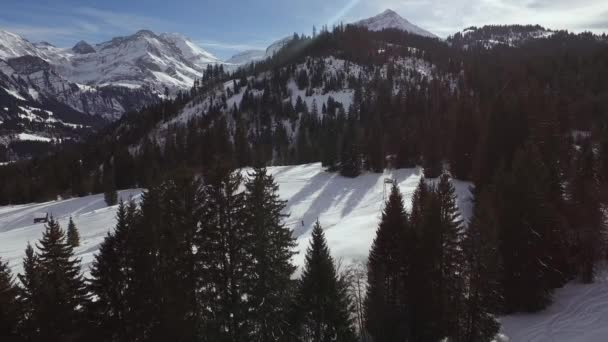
(142, 59)
(246, 57)
(389, 19)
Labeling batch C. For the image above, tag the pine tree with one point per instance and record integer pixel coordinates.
(109, 184)
(73, 235)
(223, 259)
(436, 263)
(30, 294)
(322, 304)
(61, 290)
(484, 295)
(529, 239)
(387, 304)
(160, 275)
(588, 219)
(10, 306)
(451, 257)
(110, 273)
(271, 248)
(350, 160)
(242, 150)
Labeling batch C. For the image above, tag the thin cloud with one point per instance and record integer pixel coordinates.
(448, 17)
(120, 21)
(230, 46)
(71, 25)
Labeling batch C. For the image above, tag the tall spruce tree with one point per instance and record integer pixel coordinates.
(271, 248)
(350, 160)
(30, 295)
(110, 275)
(528, 237)
(483, 270)
(426, 293)
(73, 235)
(223, 258)
(588, 218)
(11, 309)
(161, 282)
(61, 290)
(387, 304)
(109, 184)
(451, 259)
(322, 304)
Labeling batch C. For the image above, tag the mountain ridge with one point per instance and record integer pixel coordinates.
(390, 19)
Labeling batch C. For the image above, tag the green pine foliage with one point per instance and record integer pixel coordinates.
(73, 236)
(271, 246)
(322, 303)
(482, 274)
(11, 309)
(55, 290)
(222, 259)
(588, 218)
(388, 297)
(109, 184)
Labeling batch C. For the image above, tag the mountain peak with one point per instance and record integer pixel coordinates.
(144, 33)
(390, 19)
(389, 11)
(83, 48)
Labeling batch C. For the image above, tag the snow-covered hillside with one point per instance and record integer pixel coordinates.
(389, 19)
(349, 210)
(247, 57)
(407, 70)
(579, 314)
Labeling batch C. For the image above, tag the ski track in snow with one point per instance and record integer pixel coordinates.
(579, 313)
(349, 210)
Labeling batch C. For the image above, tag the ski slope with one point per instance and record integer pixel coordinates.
(349, 210)
(579, 314)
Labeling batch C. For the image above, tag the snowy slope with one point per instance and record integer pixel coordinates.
(389, 19)
(579, 314)
(247, 57)
(12, 45)
(349, 210)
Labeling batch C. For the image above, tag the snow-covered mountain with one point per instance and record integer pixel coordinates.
(142, 59)
(47, 91)
(12, 45)
(389, 19)
(247, 57)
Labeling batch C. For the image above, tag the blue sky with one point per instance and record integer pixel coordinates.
(229, 26)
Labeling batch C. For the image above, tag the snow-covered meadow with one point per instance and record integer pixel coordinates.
(348, 208)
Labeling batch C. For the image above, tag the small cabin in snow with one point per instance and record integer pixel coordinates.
(41, 217)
